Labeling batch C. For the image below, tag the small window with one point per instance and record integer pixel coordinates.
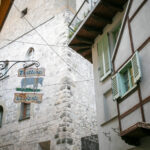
(25, 111)
(29, 56)
(24, 12)
(115, 33)
(127, 78)
(1, 115)
(104, 57)
(30, 53)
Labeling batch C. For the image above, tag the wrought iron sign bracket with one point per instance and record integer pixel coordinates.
(6, 65)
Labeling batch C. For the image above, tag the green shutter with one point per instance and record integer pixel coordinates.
(136, 67)
(106, 53)
(100, 53)
(115, 86)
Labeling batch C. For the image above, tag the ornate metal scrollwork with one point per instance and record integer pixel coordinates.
(6, 65)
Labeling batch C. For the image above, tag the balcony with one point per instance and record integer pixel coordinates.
(135, 133)
(81, 14)
(90, 21)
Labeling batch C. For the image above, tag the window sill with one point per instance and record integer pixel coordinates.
(105, 76)
(129, 91)
(21, 119)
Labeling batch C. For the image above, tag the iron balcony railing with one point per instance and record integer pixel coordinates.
(81, 14)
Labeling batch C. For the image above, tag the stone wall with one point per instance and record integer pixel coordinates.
(67, 111)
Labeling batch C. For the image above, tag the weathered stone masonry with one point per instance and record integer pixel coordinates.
(67, 111)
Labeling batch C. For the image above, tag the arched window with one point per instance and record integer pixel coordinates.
(1, 115)
(30, 53)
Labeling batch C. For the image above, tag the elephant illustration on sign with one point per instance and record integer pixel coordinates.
(31, 81)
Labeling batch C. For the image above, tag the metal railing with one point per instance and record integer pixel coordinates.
(81, 14)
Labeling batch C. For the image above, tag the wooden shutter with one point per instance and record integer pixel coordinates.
(136, 67)
(106, 53)
(27, 110)
(116, 87)
(100, 53)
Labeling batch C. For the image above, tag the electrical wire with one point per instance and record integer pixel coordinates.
(50, 47)
(55, 84)
(35, 43)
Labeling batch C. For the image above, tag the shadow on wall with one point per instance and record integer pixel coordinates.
(90, 142)
(44, 145)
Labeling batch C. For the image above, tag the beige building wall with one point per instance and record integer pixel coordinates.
(67, 111)
(109, 137)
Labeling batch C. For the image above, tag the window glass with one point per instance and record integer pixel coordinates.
(127, 78)
(126, 81)
(30, 54)
(104, 57)
(25, 111)
(113, 35)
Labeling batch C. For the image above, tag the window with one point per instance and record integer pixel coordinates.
(1, 115)
(30, 53)
(126, 75)
(25, 111)
(113, 35)
(126, 79)
(104, 57)
(105, 49)
(24, 12)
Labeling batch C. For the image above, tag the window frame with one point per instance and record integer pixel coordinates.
(137, 75)
(105, 74)
(23, 111)
(112, 42)
(111, 46)
(126, 67)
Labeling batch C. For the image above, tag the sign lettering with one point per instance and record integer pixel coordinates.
(31, 72)
(28, 98)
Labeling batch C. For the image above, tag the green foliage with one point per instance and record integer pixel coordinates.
(75, 29)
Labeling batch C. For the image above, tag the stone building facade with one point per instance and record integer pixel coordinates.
(67, 111)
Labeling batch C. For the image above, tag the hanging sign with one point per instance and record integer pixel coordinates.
(28, 98)
(31, 72)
